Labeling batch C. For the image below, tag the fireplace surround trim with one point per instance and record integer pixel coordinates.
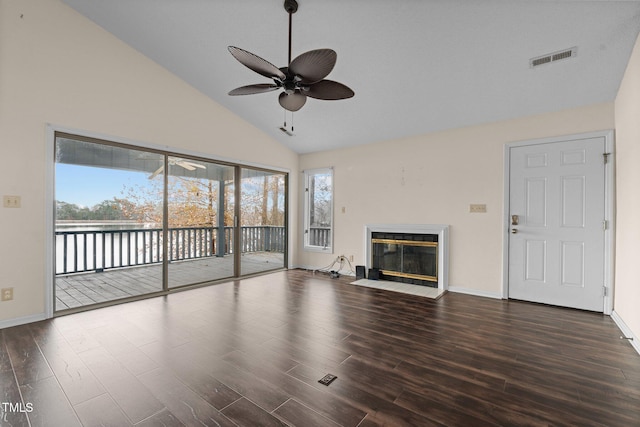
(442, 230)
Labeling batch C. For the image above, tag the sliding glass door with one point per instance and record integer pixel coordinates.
(108, 223)
(131, 221)
(201, 210)
(263, 234)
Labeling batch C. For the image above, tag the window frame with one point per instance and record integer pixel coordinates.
(308, 179)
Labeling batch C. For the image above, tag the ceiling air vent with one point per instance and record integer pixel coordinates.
(553, 57)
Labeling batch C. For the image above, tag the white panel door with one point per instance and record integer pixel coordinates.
(557, 212)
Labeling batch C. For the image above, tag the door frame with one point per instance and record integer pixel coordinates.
(609, 233)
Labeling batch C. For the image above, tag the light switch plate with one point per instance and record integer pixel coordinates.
(11, 201)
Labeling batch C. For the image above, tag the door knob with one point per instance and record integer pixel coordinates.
(514, 231)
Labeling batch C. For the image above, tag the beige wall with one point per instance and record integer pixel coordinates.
(627, 267)
(58, 67)
(432, 179)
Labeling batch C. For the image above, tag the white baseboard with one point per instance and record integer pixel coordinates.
(626, 331)
(474, 292)
(21, 320)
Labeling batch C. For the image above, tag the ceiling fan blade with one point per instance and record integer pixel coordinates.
(328, 90)
(196, 165)
(314, 65)
(257, 64)
(188, 166)
(251, 89)
(292, 102)
(158, 171)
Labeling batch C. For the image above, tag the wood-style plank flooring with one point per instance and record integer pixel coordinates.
(251, 352)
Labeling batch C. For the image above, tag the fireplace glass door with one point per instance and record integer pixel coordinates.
(401, 258)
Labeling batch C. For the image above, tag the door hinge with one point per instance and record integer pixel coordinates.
(605, 224)
(605, 290)
(605, 157)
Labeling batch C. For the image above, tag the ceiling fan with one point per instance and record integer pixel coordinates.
(190, 166)
(303, 77)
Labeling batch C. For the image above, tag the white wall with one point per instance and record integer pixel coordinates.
(627, 270)
(58, 67)
(432, 179)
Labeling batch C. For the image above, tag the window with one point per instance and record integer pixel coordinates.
(318, 225)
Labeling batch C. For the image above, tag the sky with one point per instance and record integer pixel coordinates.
(88, 186)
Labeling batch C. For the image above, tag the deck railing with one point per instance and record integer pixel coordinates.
(99, 250)
(319, 236)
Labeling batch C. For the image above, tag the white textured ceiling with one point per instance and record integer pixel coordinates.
(416, 66)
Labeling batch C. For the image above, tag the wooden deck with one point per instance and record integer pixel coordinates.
(77, 290)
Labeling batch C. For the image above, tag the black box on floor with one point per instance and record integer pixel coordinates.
(360, 272)
(374, 274)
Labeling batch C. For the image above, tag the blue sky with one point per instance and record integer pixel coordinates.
(88, 186)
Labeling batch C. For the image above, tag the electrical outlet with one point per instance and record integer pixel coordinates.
(351, 258)
(473, 208)
(6, 294)
(11, 201)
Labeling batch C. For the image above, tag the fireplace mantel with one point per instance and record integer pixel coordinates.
(443, 247)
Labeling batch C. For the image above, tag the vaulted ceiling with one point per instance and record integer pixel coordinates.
(416, 66)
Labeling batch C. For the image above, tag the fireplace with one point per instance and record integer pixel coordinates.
(406, 257)
(414, 254)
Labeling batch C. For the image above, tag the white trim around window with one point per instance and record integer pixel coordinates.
(318, 210)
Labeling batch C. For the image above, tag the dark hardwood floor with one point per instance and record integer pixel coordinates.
(251, 352)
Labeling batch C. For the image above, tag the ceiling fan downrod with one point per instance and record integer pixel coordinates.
(291, 6)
